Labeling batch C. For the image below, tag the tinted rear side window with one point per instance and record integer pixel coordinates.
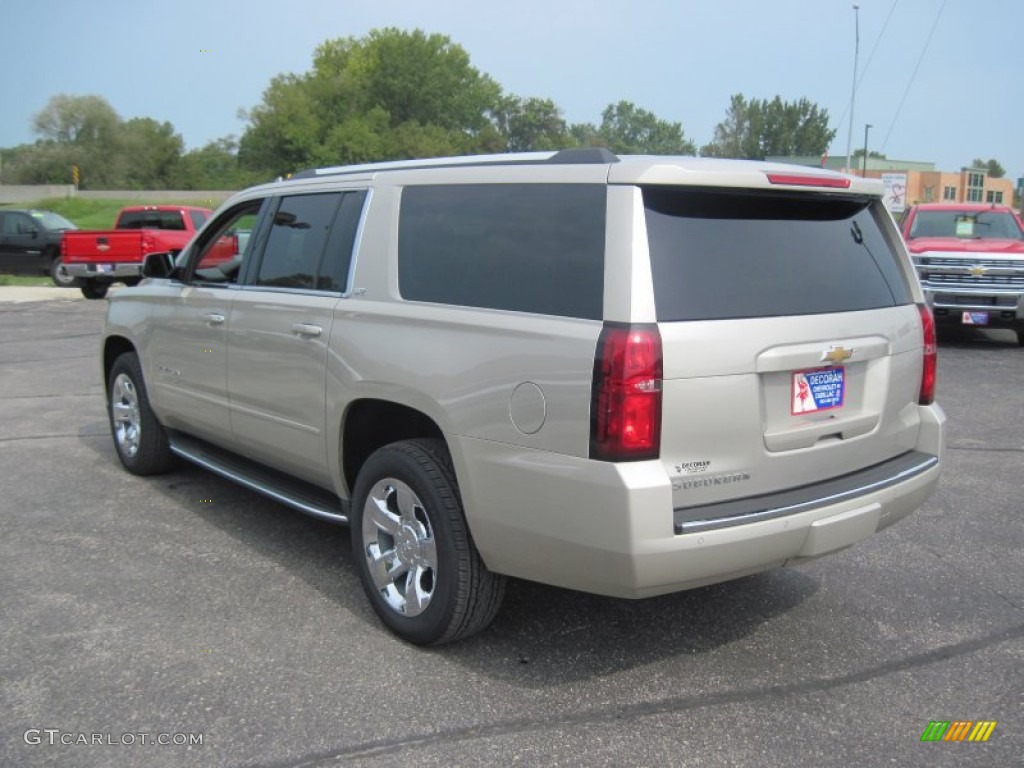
(525, 247)
(719, 254)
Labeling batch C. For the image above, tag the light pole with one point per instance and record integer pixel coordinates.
(853, 93)
(864, 160)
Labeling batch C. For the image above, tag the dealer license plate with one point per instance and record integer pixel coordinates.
(975, 318)
(820, 389)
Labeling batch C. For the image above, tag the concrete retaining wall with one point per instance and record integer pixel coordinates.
(25, 194)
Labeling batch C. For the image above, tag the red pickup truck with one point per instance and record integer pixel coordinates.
(970, 259)
(97, 258)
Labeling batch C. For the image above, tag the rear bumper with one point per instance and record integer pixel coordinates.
(610, 528)
(103, 270)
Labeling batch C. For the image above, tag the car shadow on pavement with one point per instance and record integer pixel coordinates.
(543, 636)
(965, 337)
(547, 636)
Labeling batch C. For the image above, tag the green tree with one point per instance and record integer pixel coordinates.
(992, 167)
(758, 128)
(531, 124)
(147, 153)
(82, 121)
(392, 94)
(213, 166)
(627, 129)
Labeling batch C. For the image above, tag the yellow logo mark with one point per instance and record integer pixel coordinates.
(836, 355)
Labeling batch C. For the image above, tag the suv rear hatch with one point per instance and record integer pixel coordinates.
(792, 347)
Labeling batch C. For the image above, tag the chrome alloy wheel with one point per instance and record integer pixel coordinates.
(124, 409)
(398, 542)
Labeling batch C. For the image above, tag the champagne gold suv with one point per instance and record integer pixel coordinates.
(622, 375)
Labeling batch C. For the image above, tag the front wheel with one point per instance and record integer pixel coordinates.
(139, 438)
(93, 290)
(59, 274)
(415, 555)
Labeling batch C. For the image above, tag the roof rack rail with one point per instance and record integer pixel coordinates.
(595, 155)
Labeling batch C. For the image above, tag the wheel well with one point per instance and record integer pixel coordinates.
(113, 348)
(372, 424)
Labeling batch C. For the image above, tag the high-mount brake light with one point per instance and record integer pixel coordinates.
(808, 180)
(625, 409)
(927, 396)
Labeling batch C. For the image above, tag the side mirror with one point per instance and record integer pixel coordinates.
(161, 265)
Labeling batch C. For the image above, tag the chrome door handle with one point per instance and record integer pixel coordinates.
(214, 318)
(305, 329)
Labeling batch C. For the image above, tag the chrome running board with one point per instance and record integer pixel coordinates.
(305, 497)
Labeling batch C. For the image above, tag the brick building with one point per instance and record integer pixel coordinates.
(921, 183)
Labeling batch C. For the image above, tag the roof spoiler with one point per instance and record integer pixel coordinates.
(587, 155)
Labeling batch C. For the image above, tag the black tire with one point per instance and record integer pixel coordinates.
(139, 439)
(59, 274)
(93, 290)
(454, 594)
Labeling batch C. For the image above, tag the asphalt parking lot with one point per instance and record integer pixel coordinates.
(183, 606)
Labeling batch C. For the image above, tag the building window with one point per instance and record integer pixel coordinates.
(993, 196)
(975, 187)
(927, 194)
(949, 193)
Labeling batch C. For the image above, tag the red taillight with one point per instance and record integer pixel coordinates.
(930, 356)
(148, 242)
(625, 408)
(808, 180)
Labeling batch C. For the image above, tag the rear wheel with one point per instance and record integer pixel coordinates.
(59, 273)
(416, 558)
(139, 438)
(1020, 338)
(93, 290)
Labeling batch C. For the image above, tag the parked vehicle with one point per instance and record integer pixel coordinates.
(95, 259)
(626, 376)
(970, 259)
(30, 243)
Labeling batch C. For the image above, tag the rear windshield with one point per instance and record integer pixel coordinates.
(969, 225)
(151, 220)
(718, 254)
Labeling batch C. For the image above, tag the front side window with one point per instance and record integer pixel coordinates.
(223, 250)
(296, 242)
(535, 248)
(719, 254)
(198, 219)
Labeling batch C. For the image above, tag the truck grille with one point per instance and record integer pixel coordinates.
(953, 272)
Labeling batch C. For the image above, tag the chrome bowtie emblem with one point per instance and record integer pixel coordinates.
(836, 355)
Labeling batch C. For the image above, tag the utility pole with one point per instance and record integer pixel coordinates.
(864, 160)
(853, 92)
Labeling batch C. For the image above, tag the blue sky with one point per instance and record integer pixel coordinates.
(196, 64)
